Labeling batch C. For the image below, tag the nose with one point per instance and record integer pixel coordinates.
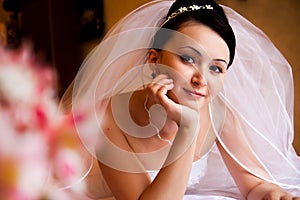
(198, 80)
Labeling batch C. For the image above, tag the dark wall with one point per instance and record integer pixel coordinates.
(51, 26)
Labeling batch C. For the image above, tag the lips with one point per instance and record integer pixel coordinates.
(194, 93)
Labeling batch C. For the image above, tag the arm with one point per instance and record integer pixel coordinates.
(251, 187)
(167, 184)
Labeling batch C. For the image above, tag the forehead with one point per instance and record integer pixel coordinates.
(200, 37)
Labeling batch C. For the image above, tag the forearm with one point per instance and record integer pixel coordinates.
(250, 186)
(171, 181)
(168, 184)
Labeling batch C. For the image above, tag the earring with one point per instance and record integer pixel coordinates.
(155, 71)
(153, 75)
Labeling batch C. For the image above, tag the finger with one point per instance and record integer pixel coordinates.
(286, 198)
(272, 196)
(163, 98)
(160, 77)
(161, 85)
(164, 82)
(154, 87)
(161, 81)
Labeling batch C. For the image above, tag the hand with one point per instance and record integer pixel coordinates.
(157, 92)
(279, 195)
(269, 191)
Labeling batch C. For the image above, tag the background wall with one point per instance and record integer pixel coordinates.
(3, 15)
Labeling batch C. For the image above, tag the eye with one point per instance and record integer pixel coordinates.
(187, 59)
(216, 69)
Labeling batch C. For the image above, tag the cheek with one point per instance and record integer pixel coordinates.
(215, 85)
(178, 72)
(179, 82)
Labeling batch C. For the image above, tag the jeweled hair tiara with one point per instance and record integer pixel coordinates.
(187, 9)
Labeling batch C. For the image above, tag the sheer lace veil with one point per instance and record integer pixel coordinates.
(258, 92)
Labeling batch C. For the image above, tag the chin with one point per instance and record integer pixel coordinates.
(186, 100)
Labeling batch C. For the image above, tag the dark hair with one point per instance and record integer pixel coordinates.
(214, 18)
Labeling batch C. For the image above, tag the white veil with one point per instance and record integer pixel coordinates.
(258, 90)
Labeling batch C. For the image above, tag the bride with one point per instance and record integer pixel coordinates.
(189, 101)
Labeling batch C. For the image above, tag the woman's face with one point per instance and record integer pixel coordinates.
(198, 64)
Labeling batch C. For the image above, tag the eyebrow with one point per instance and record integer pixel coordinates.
(190, 47)
(198, 52)
(221, 60)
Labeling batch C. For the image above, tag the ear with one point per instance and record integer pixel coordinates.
(153, 56)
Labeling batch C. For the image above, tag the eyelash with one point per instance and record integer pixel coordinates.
(220, 70)
(187, 59)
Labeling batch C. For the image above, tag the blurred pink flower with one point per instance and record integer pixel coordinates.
(40, 151)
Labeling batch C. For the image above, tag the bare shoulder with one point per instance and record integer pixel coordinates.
(115, 168)
(113, 133)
